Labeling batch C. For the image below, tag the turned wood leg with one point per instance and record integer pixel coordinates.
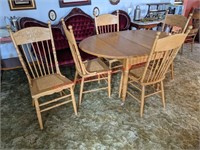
(81, 90)
(163, 95)
(120, 85)
(192, 44)
(172, 70)
(126, 66)
(142, 101)
(38, 113)
(109, 84)
(75, 78)
(73, 100)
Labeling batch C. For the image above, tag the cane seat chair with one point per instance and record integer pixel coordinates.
(153, 72)
(109, 23)
(89, 70)
(196, 26)
(175, 24)
(34, 46)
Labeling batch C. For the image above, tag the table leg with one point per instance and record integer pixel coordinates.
(126, 66)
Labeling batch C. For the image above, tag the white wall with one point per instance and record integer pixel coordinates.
(43, 7)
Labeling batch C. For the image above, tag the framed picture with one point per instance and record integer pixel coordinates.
(68, 3)
(96, 11)
(52, 15)
(21, 4)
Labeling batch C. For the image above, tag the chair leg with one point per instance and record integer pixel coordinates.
(110, 65)
(120, 85)
(75, 78)
(142, 101)
(73, 100)
(81, 90)
(172, 70)
(38, 113)
(181, 49)
(98, 78)
(61, 94)
(192, 44)
(163, 95)
(157, 87)
(109, 84)
(33, 102)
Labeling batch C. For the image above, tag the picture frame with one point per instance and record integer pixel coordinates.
(96, 11)
(114, 2)
(69, 3)
(52, 15)
(21, 4)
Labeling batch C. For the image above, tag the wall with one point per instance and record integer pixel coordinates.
(43, 7)
(189, 5)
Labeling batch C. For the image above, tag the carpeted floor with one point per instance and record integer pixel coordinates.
(101, 122)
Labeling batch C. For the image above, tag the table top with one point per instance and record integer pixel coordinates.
(120, 45)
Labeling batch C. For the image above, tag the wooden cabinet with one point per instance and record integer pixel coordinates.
(156, 10)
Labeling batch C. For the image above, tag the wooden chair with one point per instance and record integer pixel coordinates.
(196, 25)
(34, 46)
(175, 24)
(153, 72)
(91, 70)
(190, 38)
(104, 24)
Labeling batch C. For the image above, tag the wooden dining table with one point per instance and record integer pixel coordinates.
(131, 46)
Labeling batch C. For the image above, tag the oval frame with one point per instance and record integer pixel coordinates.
(96, 11)
(114, 2)
(52, 15)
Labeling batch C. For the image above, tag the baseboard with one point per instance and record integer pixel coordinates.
(10, 63)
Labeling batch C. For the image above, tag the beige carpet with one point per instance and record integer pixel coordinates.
(101, 122)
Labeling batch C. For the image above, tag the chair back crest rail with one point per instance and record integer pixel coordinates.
(36, 51)
(161, 57)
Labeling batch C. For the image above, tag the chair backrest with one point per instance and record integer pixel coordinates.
(161, 56)
(107, 23)
(196, 18)
(176, 23)
(36, 50)
(74, 49)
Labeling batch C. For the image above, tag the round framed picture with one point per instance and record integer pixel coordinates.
(52, 15)
(96, 11)
(114, 2)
